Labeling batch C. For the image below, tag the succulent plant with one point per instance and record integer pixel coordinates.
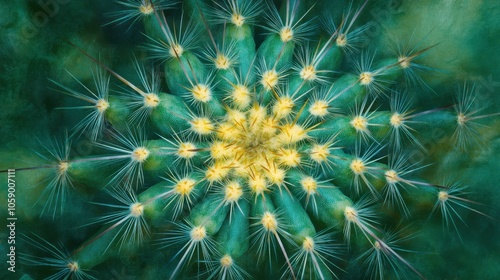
(251, 139)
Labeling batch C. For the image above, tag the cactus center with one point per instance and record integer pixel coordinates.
(222, 62)
(391, 177)
(319, 108)
(237, 19)
(62, 167)
(176, 50)
(269, 222)
(308, 73)
(461, 119)
(226, 261)
(396, 120)
(309, 185)
(377, 245)
(136, 210)
(73, 266)
(283, 107)
(308, 244)
(151, 100)
(360, 123)
(319, 153)
(202, 126)
(233, 192)
(102, 105)
(140, 154)
(241, 96)
(351, 214)
(185, 186)
(201, 93)
(186, 150)
(366, 78)
(198, 233)
(270, 79)
(146, 8)
(358, 166)
(286, 34)
(341, 40)
(443, 196)
(404, 62)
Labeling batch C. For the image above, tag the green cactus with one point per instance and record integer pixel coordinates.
(248, 139)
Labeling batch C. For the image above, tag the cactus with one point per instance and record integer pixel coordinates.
(252, 139)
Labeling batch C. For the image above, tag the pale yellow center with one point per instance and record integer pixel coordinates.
(443, 196)
(237, 19)
(198, 233)
(286, 34)
(226, 261)
(308, 244)
(269, 222)
(222, 62)
(366, 78)
(102, 105)
(309, 185)
(136, 209)
(319, 108)
(185, 186)
(350, 214)
(176, 50)
(391, 177)
(308, 73)
(396, 120)
(186, 150)
(140, 154)
(269, 79)
(358, 166)
(151, 100)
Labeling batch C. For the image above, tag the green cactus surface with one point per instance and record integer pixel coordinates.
(250, 139)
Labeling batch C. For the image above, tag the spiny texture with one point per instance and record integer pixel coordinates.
(273, 143)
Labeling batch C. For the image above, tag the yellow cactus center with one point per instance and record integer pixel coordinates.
(146, 9)
(308, 73)
(461, 119)
(269, 222)
(140, 154)
(286, 34)
(136, 210)
(396, 120)
(360, 123)
(233, 192)
(443, 196)
(269, 79)
(241, 96)
(350, 214)
(366, 78)
(341, 40)
(308, 244)
(201, 93)
(226, 261)
(73, 266)
(198, 233)
(151, 100)
(185, 186)
(237, 19)
(319, 153)
(102, 105)
(186, 150)
(319, 108)
(62, 167)
(404, 62)
(176, 50)
(283, 107)
(202, 126)
(309, 185)
(222, 62)
(391, 177)
(358, 166)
